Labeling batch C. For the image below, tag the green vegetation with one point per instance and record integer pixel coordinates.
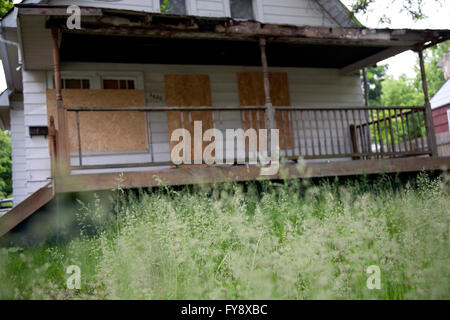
(292, 240)
(165, 6)
(5, 6)
(5, 165)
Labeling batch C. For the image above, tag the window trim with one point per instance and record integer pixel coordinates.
(136, 76)
(448, 119)
(258, 10)
(93, 82)
(96, 78)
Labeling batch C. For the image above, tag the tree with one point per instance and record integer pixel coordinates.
(5, 137)
(5, 6)
(401, 93)
(5, 165)
(375, 78)
(414, 8)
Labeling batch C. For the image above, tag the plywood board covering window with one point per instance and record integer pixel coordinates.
(188, 91)
(118, 131)
(251, 93)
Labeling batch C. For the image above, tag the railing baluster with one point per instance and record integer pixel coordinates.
(368, 133)
(380, 135)
(409, 133)
(361, 134)
(311, 129)
(386, 132)
(374, 133)
(297, 134)
(331, 133)
(337, 133)
(324, 132)
(398, 131)
(80, 153)
(302, 115)
(344, 135)
(318, 131)
(358, 145)
(416, 139)
(422, 141)
(347, 126)
(391, 129)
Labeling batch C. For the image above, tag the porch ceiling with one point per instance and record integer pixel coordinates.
(116, 49)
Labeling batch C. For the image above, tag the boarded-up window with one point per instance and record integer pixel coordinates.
(251, 93)
(173, 6)
(75, 84)
(119, 84)
(188, 91)
(104, 131)
(242, 9)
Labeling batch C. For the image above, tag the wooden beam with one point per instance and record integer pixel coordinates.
(26, 208)
(199, 175)
(372, 60)
(189, 27)
(62, 153)
(269, 112)
(429, 123)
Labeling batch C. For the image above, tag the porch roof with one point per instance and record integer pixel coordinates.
(162, 38)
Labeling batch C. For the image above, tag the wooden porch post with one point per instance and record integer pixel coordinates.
(62, 152)
(269, 112)
(431, 134)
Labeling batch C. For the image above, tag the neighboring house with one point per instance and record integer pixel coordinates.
(133, 75)
(440, 104)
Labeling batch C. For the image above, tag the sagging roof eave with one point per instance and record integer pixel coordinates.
(340, 13)
(170, 24)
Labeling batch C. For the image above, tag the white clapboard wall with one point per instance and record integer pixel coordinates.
(296, 12)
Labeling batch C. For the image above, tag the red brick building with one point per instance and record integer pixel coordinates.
(440, 104)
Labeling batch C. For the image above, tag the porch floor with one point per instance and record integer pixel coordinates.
(213, 174)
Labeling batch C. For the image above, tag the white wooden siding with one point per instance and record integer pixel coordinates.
(138, 5)
(211, 8)
(296, 12)
(36, 148)
(19, 173)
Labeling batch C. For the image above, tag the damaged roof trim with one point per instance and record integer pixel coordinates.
(122, 22)
(157, 25)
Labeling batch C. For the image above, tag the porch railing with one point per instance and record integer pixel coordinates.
(354, 132)
(361, 133)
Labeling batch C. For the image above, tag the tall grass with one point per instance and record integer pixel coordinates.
(256, 241)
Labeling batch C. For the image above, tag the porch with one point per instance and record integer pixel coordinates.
(324, 140)
(314, 142)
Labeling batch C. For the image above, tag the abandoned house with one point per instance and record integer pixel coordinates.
(86, 103)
